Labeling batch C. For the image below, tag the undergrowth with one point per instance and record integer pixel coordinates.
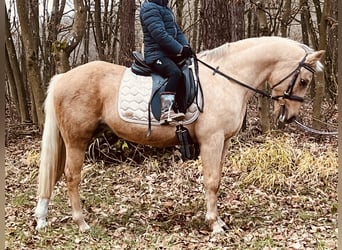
(280, 161)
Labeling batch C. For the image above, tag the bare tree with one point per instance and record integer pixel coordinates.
(320, 82)
(50, 30)
(262, 29)
(285, 18)
(100, 43)
(309, 23)
(179, 13)
(14, 75)
(103, 21)
(127, 31)
(31, 56)
(304, 26)
(332, 54)
(194, 41)
(63, 48)
(221, 21)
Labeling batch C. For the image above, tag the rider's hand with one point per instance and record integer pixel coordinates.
(186, 51)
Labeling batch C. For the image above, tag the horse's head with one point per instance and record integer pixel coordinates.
(288, 91)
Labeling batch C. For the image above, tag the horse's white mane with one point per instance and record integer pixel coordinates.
(222, 50)
(307, 49)
(215, 53)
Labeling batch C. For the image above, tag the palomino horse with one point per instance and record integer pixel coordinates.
(86, 96)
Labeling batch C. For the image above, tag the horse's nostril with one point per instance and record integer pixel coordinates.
(291, 119)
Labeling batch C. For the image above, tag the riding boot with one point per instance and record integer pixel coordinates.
(168, 115)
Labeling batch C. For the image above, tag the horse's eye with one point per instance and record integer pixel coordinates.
(303, 82)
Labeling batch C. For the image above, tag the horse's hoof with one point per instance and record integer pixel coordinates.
(41, 224)
(219, 226)
(84, 227)
(217, 230)
(222, 224)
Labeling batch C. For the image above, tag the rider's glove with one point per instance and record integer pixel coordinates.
(186, 51)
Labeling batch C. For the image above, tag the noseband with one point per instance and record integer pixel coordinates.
(288, 93)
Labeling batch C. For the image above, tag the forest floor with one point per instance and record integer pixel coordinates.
(278, 191)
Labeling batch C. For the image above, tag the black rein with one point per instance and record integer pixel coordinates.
(287, 94)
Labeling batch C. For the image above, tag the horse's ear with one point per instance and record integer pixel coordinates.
(313, 58)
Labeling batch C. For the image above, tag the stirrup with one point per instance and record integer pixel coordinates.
(163, 122)
(176, 117)
(168, 119)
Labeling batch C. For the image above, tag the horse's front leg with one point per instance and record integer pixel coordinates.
(212, 155)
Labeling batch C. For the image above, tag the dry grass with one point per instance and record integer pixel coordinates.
(281, 161)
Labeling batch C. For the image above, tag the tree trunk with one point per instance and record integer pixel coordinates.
(264, 103)
(331, 69)
(62, 49)
(98, 30)
(236, 29)
(312, 38)
(195, 27)
(179, 13)
(320, 83)
(86, 40)
(31, 58)
(214, 29)
(285, 19)
(309, 25)
(127, 32)
(115, 46)
(262, 19)
(222, 21)
(13, 70)
(12, 92)
(52, 29)
(305, 35)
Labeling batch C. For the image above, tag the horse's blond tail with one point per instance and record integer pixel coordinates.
(52, 157)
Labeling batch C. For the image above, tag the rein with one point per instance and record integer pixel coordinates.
(287, 94)
(217, 71)
(315, 131)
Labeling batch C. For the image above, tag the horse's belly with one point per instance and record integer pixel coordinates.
(161, 136)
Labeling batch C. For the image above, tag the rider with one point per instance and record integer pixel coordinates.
(164, 45)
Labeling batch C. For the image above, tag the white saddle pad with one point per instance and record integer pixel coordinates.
(134, 95)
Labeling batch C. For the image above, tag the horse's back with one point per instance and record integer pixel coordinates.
(93, 71)
(93, 80)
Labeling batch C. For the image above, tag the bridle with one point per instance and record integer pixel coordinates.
(288, 94)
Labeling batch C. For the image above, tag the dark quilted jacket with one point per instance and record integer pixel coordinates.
(162, 35)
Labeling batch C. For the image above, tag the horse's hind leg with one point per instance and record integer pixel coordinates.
(73, 166)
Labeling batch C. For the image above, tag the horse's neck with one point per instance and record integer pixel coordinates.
(247, 63)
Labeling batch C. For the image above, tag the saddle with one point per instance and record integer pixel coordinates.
(187, 93)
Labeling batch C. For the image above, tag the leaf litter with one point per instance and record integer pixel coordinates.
(278, 191)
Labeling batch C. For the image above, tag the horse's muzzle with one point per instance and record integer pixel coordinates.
(283, 115)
